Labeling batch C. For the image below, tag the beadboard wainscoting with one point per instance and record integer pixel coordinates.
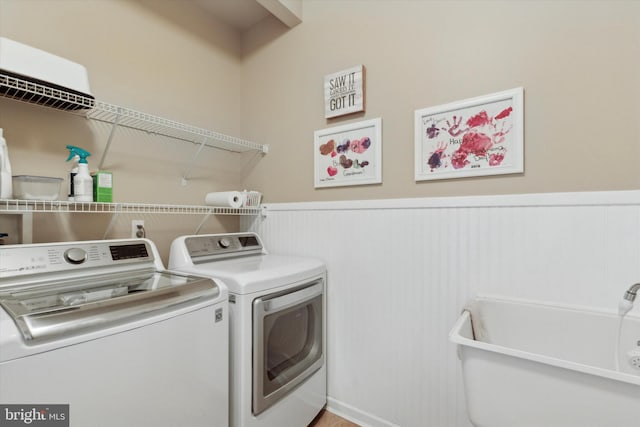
(400, 271)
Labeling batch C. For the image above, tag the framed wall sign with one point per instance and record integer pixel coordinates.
(344, 92)
(474, 137)
(349, 154)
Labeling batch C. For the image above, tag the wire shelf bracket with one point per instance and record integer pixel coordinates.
(192, 163)
(114, 126)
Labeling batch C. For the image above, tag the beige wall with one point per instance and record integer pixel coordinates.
(161, 57)
(578, 61)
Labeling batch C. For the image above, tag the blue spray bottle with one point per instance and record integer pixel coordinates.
(80, 184)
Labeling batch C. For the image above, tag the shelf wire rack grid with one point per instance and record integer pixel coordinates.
(35, 93)
(35, 206)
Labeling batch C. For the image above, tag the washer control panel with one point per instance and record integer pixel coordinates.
(213, 246)
(23, 260)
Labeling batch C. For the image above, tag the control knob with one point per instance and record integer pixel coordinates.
(224, 243)
(75, 256)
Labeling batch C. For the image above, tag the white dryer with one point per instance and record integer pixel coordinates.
(101, 329)
(277, 326)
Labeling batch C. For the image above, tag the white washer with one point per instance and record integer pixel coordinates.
(102, 327)
(277, 307)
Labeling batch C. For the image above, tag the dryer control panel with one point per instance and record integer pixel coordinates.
(216, 246)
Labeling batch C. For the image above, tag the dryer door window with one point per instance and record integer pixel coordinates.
(287, 342)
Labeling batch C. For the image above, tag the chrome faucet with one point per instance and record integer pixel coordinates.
(630, 295)
(627, 300)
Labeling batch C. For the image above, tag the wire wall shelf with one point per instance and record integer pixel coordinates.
(34, 206)
(15, 88)
(133, 119)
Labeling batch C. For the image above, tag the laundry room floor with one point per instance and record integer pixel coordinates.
(327, 419)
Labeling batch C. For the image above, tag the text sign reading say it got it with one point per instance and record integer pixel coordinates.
(344, 92)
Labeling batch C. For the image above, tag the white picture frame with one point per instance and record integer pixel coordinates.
(349, 154)
(474, 137)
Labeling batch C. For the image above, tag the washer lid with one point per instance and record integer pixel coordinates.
(245, 275)
(55, 309)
